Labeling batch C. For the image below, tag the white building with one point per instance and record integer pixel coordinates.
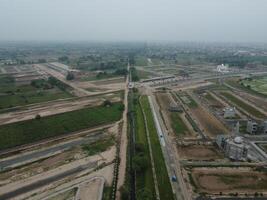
(233, 147)
(252, 127)
(222, 68)
(229, 112)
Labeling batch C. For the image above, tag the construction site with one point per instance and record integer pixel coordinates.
(131, 128)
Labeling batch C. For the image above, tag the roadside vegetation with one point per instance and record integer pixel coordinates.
(29, 131)
(99, 146)
(164, 185)
(142, 161)
(38, 91)
(243, 105)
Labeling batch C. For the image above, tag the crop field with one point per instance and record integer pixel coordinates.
(19, 95)
(24, 132)
(228, 180)
(144, 178)
(199, 152)
(242, 104)
(256, 84)
(164, 185)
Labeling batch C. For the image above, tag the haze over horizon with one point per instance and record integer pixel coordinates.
(139, 20)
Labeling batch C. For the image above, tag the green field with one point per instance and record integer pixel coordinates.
(140, 61)
(256, 84)
(144, 178)
(143, 74)
(177, 124)
(164, 185)
(24, 132)
(12, 95)
(243, 105)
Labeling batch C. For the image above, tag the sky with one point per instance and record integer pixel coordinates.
(134, 20)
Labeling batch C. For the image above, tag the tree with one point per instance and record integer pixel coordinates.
(70, 76)
(144, 194)
(107, 103)
(38, 117)
(139, 163)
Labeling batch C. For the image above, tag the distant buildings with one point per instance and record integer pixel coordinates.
(256, 128)
(222, 68)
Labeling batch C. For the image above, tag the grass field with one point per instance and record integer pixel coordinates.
(24, 132)
(177, 124)
(164, 185)
(144, 179)
(243, 105)
(141, 61)
(18, 95)
(256, 84)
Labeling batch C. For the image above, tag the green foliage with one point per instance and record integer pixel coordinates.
(70, 76)
(98, 146)
(134, 74)
(33, 130)
(144, 194)
(164, 185)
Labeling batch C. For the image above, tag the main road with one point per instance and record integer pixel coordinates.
(169, 153)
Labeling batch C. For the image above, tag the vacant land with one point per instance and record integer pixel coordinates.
(210, 124)
(199, 152)
(263, 146)
(99, 146)
(186, 99)
(242, 104)
(17, 95)
(33, 130)
(257, 84)
(215, 180)
(164, 185)
(174, 118)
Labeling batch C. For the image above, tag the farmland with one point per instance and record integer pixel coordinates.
(37, 129)
(19, 95)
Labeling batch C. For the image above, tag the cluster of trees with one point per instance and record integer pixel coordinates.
(41, 83)
(63, 59)
(134, 74)
(55, 82)
(70, 76)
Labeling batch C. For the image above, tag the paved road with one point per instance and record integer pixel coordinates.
(46, 181)
(173, 165)
(37, 155)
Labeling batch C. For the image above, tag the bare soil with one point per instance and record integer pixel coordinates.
(229, 180)
(199, 152)
(211, 125)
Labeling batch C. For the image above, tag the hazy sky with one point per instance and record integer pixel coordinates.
(145, 20)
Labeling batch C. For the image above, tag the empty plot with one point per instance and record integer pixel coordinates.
(199, 152)
(228, 180)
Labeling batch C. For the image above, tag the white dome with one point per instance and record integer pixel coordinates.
(238, 140)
